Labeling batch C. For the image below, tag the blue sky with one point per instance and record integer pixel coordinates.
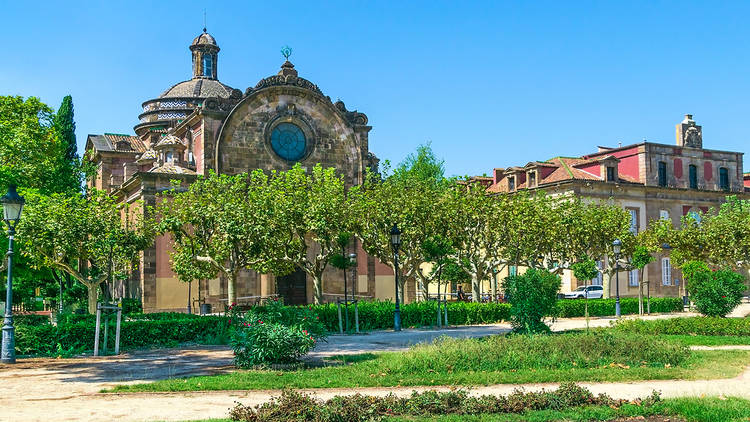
(489, 84)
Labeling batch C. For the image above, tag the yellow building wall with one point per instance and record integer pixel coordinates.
(173, 294)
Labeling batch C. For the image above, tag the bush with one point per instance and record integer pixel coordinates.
(378, 315)
(699, 326)
(131, 306)
(572, 308)
(273, 333)
(715, 293)
(30, 319)
(79, 337)
(533, 296)
(295, 406)
(261, 343)
(558, 351)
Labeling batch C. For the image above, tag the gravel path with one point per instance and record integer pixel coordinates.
(67, 389)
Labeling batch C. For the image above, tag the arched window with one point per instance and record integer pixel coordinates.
(693, 176)
(208, 65)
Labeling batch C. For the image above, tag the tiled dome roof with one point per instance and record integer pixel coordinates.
(148, 156)
(168, 141)
(198, 88)
(204, 38)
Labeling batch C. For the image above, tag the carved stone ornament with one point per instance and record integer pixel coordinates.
(354, 117)
(280, 80)
(693, 137)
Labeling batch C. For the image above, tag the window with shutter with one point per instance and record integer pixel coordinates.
(633, 221)
(597, 281)
(633, 278)
(666, 272)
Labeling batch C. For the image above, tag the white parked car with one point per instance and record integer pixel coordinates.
(592, 292)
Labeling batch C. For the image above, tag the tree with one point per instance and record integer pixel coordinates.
(65, 128)
(585, 269)
(413, 199)
(315, 215)
(32, 154)
(221, 225)
(92, 237)
(481, 225)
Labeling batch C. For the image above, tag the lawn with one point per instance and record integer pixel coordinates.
(602, 356)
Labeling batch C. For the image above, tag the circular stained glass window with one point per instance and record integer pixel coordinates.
(288, 141)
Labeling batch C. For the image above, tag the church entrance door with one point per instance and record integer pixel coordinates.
(293, 288)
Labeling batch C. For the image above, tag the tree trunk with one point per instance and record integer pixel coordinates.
(401, 288)
(474, 288)
(423, 289)
(317, 280)
(232, 288)
(93, 293)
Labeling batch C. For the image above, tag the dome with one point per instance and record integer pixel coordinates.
(204, 39)
(168, 141)
(198, 88)
(148, 156)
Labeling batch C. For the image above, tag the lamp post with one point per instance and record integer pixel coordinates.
(616, 248)
(12, 206)
(395, 244)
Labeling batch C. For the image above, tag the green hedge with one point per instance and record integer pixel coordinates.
(378, 315)
(79, 337)
(571, 308)
(702, 326)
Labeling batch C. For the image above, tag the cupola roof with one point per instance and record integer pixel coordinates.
(204, 39)
(147, 157)
(169, 141)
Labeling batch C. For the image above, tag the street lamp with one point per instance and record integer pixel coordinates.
(395, 244)
(12, 206)
(616, 248)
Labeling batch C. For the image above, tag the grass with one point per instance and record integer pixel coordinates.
(691, 409)
(496, 360)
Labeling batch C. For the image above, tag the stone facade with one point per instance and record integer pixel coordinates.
(202, 125)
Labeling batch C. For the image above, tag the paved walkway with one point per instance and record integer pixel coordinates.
(36, 389)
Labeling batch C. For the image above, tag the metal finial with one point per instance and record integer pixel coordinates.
(204, 21)
(286, 51)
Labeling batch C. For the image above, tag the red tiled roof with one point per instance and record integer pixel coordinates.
(566, 168)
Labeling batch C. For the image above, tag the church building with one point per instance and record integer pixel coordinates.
(202, 125)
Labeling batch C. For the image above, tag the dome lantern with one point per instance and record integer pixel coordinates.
(205, 55)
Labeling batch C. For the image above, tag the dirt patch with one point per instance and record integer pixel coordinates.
(650, 419)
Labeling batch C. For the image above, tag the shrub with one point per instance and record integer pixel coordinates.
(701, 326)
(296, 406)
(606, 307)
(79, 337)
(533, 296)
(378, 315)
(30, 319)
(261, 343)
(558, 351)
(273, 333)
(131, 306)
(715, 293)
